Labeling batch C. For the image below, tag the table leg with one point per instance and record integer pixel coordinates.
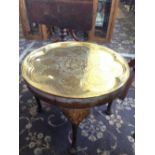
(74, 135)
(108, 110)
(39, 108)
(74, 36)
(63, 34)
(75, 116)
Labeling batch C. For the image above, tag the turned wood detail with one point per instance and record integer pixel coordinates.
(76, 115)
(63, 34)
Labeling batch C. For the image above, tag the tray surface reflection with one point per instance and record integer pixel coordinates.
(75, 69)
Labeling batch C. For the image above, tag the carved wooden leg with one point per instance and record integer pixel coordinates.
(75, 116)
(63, 34)
(74, 135)
(74, 36)
(39, 108)
(44, 31)
(108, 110)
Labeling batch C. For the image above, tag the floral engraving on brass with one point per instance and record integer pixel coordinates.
(75, 69)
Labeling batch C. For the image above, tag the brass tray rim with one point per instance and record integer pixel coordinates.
(76, 43)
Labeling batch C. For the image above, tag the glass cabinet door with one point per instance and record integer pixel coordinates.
(102, 17)
(104, 14)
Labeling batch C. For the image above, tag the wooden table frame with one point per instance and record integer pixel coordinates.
(76, 110)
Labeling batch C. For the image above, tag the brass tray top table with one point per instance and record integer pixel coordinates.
(75, 76)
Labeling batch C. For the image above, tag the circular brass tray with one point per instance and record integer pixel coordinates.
(75, 70)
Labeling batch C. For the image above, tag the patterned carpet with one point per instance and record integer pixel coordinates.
(48, 133)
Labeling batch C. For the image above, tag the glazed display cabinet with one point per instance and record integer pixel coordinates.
(104, 14)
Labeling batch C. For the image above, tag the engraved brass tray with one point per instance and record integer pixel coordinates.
(75, 70)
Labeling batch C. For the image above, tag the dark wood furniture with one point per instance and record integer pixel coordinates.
(94, 17)
(104, 15)
(42, 33)
(75, 76)
(68, 15)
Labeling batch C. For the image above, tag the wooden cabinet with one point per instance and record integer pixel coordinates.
(42, 33)
(96, 17)
(69, 14)
(104, 14)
